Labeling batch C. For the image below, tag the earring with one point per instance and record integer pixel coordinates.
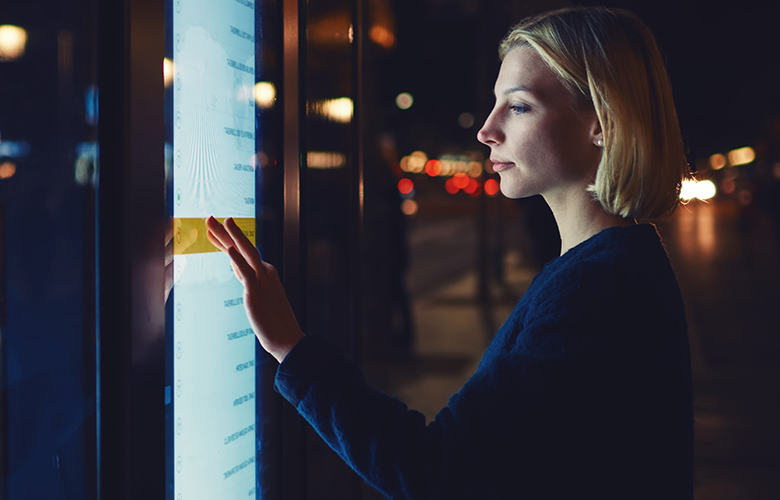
(600, 143)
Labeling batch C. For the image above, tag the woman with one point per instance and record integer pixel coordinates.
(585, 391)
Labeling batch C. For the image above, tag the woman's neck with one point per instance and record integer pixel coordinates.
(579, 217)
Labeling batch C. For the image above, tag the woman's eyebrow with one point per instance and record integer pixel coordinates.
(518, 88)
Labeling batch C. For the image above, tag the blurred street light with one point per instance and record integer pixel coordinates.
(13, 41)
(742, 156)
(404, 100)
(265, 94)
(701, 190)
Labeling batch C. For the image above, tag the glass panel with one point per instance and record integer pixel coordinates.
(47, 172)
(329, 206)
(222, 143)
(330, 167)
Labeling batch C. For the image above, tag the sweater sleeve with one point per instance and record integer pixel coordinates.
(507, 431)
(387, 444)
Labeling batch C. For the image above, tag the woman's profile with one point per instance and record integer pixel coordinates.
(585, 391)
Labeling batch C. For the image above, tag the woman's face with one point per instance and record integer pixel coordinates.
(542, 140)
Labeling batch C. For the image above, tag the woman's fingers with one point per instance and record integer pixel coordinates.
(214, 241)
(244, 257)
(243, 271)
(217, 235)
(243, 244)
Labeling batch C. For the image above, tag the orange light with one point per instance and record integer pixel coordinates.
(416, 162)
(433, 168)
(405, 186)
(717, 161)
(409, 207)
(381, 36)
(450, 186)
(491, 187)
(405, 164)
(460, 180)
(742, 156)
(404, 100)
(475, 169)
(7, 170)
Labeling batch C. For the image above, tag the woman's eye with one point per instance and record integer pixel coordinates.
(519, 108)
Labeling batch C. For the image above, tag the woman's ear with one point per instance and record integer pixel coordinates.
(597, 136)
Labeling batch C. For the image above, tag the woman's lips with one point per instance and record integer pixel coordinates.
(500, 166)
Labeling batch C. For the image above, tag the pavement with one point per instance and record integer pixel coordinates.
(729, 271)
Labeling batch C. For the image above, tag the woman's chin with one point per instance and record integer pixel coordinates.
(514, 192)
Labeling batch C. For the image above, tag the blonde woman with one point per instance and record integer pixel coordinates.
(585, 391)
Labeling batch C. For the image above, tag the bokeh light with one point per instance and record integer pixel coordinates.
(460, 180)
(491, 187)
(717, 161)
(404, 100)
(13, 41)
(466, 120)
(325, 160)
(433, 168)
(728, 186)
(7, 170)
(265, 94)
(339, 110)
(742, 156)
(472, 187)
(450, 186)
(693, 189)
(409, 207)
(417, 161)
(381, 36)
(167, 72)
(405, 186)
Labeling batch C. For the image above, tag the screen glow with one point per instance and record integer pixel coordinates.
(212, 73)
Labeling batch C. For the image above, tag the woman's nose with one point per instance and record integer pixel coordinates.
(489, 133)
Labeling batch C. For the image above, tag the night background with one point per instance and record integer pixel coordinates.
(721, 57)
(438, 266)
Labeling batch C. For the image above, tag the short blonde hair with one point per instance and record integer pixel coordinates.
(609, 57)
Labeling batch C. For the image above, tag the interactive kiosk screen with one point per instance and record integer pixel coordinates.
(212, 408)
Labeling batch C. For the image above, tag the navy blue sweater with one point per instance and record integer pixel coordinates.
(585, 392)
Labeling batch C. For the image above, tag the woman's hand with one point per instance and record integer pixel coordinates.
(265, 301)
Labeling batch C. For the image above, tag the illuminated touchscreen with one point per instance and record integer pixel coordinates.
(212, 393)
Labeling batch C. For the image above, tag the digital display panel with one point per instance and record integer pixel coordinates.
(212, 427)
